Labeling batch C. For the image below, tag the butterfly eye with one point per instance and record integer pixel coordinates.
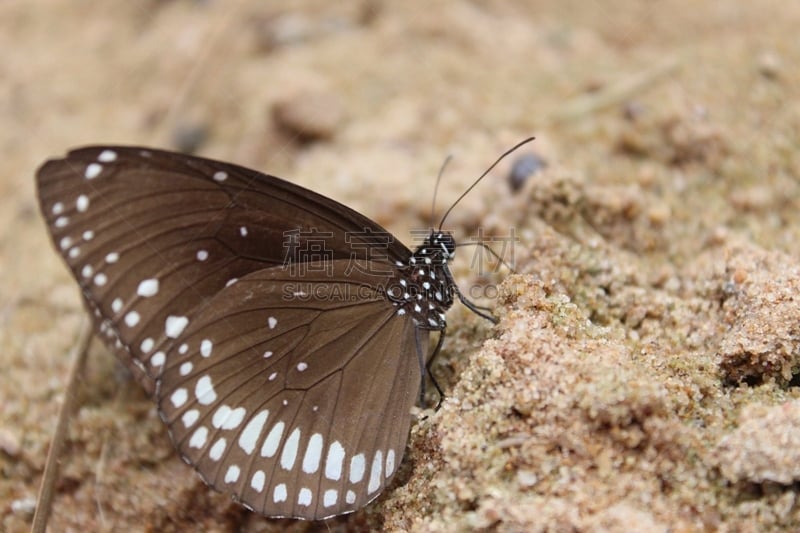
(256, 360)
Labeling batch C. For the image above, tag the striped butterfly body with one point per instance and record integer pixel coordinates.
(283, 336)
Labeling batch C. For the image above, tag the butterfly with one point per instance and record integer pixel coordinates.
(283, 336)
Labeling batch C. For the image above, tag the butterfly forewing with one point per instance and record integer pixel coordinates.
(304, 412)
(151, 235)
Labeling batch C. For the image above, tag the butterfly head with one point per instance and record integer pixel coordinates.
(445, 242)
(439, 248)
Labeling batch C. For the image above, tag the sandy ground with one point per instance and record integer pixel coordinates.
(643, 376)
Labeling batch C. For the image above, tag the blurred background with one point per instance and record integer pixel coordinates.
(663, 129)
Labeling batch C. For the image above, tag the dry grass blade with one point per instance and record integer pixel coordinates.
(45, 499)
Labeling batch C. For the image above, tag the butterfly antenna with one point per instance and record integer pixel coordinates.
(506, 153)
(436, 188)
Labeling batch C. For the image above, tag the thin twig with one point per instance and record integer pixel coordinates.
(615, 93)
(199, 69)
(46, 490)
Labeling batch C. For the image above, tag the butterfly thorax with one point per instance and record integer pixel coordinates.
(422, 287)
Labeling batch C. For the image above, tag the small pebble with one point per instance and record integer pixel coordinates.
(523, 167)
(24, 506)
(189, 137)
(9, 443)
(309, 116)
(769, 65)
(632, 110)
(526, 478)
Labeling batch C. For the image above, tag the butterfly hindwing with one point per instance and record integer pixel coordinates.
(302, 408)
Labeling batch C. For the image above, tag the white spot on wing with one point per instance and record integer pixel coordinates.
(179, 397)
(333, 462)
(279, 494)
(304, 497)
(220, 415)
(88, 235)
(202, 255)
(330, 497)
(175, 325)
(375, 472)
(301, 366)
(198, 439)
(147, 345)
(190, 417)
(205, 347)
(220, 176)
(186, 368)
(100, 279)
(272, 321)
(157, 359)
(58, 208)
(113, 257)
(251, 432)
(147, 288)
(357, 467)
(313, 454)
(216, 451)
(389, 463)
(227, 418)
(232, 474)
(107, 156)
(116, 305)
(132, 318)
(257, 481)
(204, 391)
(61, 222)
(290, 449)
(273, 440)
(82, 203)
(350, 497)
(93, 170)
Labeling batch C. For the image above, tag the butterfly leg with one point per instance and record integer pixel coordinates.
(482, 307)
(491, 251)
(425, 368)
(436, 350)
(476, 308)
